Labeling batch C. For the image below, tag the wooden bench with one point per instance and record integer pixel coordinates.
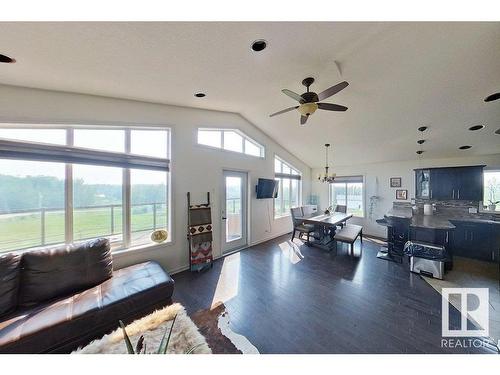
(348, 234)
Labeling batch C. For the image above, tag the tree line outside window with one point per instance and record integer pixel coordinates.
(45, 202)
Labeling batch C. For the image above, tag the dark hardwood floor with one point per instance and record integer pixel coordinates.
(299, 299)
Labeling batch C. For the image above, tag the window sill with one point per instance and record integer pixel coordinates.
(281, 216)
(142, 248)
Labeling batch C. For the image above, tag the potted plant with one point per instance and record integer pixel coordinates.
(141, 348)
(493, 205)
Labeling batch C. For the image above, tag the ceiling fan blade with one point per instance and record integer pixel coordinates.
(332, 90)
(332, 107)
(293, 95)
(283, 111)
(303, 119)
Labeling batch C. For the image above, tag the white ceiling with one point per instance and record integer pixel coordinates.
(401, 76)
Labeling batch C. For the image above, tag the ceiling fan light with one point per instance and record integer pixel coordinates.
(307, 109)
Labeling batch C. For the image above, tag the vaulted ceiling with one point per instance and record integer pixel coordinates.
(401, 76)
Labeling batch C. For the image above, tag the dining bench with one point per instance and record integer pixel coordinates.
(349, 233)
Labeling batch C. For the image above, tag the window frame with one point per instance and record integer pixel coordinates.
(288, 176)
(346, 181)
(484, 207)
(125, 244)
(239, 132)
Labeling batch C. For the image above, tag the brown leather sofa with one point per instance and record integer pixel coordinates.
(56, 300)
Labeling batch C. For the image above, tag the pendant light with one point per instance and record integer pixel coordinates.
(327, 178)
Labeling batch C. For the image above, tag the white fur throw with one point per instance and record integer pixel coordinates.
(185, 334)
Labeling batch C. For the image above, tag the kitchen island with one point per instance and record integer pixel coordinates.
(464, 235)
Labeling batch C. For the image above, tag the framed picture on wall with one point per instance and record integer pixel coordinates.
(396, 182)
(402, 194)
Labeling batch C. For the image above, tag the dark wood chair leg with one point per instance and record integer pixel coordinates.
(293, 234)
(308, 234)
(361, 236)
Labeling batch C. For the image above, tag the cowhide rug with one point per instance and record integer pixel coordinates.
(185, 334)
(214, 324)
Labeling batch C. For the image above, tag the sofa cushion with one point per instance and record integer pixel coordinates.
(9, 282)
(65, 324)
(59, 271)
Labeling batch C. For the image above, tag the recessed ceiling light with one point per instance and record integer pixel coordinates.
(492, 97)
(476, 127)
(464, 147)
(420, 152)
(422, 129)
(200, 95)
(259, 45)
(421, 141)
(6, 59)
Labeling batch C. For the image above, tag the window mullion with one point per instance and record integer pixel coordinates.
(282, 197)
(126, 198)
(68, 193)
(346, 195)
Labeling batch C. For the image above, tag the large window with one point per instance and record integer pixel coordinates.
(491, 189)
(289, 185)
(348, 191)
(230, 140)
(71, 184)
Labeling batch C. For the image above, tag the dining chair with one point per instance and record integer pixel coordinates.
(342, 209)
(298, 224)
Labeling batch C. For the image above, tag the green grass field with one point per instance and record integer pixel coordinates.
(23, 231)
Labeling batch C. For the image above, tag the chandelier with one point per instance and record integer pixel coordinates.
(327, 178)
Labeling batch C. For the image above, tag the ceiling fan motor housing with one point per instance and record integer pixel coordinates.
(310, 97)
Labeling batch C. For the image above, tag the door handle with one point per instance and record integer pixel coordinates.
(458, 194)
(453, 194)
(224, 218)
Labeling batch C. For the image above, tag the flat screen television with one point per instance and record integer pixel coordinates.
(267, 188)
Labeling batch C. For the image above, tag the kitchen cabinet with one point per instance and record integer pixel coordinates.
(469, 184)
(443, 181)
(475, 240)
(450, 183)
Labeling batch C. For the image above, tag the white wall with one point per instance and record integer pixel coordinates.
(194, 168)
(383, 172)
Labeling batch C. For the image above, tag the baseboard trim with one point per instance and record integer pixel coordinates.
(272, 237)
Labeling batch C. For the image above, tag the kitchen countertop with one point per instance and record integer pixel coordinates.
(436, 221)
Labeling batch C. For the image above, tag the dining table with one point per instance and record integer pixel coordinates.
(325, 227)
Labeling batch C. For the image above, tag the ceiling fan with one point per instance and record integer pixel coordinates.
(309, 100)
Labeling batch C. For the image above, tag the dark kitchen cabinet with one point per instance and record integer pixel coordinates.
(469, 184)
(474, 240)
(450, 183)
(443, 183)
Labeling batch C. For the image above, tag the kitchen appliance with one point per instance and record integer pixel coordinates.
(426, 259)
(427, 267)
